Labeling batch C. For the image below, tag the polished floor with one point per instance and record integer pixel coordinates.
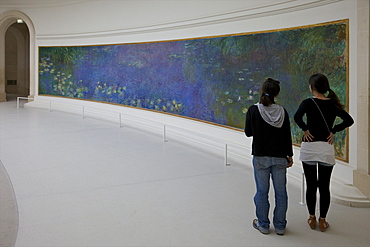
(87, 182)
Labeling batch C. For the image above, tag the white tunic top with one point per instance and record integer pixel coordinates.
(317, 151)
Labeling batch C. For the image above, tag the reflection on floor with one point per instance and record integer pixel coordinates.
(85, 182)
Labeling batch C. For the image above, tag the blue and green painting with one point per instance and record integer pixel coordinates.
(213, 79)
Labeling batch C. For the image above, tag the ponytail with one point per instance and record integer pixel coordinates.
(270, 89)
(320, 83)
(332, 95)
(266, 99)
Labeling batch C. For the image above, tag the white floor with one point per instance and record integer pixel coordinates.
(86, 182)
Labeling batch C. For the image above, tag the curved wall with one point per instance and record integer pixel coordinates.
(117, 22)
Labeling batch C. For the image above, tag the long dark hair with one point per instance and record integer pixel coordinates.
(270, 88)
(320, 83)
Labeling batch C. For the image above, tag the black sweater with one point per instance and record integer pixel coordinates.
(315, 122)
(268, 140)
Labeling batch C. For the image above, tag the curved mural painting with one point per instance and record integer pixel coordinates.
(212, 79)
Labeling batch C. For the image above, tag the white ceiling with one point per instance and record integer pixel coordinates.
(56, 3)
(39, 3)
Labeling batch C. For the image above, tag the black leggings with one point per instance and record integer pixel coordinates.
(319, 180)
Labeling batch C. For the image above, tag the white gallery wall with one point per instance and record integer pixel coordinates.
(96, 22)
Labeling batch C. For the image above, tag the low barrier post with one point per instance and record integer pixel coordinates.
(227, 164)
(164, 134)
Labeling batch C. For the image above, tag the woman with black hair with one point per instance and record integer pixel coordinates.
(317, 149)
(272, 152)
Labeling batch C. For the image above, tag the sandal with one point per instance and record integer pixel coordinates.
(312, 222)
(323, 225)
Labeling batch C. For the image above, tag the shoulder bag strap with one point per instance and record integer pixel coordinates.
(321, 115)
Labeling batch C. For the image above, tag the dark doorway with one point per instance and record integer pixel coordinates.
(17, 61)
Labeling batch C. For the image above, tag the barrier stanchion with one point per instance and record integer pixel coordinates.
(18, 98)
(164, 134)
(227, 164)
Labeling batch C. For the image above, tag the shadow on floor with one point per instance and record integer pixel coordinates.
(8, 210)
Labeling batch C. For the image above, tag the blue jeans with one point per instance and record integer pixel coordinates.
(263, 168)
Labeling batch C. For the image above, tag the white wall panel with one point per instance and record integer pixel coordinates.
(118, 22)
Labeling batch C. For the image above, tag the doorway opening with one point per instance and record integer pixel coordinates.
(17, 61)
(17, 56)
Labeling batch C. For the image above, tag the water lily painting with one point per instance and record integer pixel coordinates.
(212, 79)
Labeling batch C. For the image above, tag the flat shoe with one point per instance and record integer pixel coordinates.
(312, 222)
(259, 228)
(323, 225)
